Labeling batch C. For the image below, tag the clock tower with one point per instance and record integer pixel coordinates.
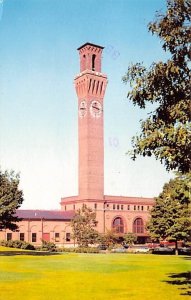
(90, 86)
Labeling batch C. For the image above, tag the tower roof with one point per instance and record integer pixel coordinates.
(90, 45)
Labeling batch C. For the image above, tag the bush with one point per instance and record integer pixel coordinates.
(66, 249)
(48, 246)
(86, 250)
(17, 244)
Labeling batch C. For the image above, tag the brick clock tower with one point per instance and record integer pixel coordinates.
(90, 87)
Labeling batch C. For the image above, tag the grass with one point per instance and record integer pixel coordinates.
(93, 276)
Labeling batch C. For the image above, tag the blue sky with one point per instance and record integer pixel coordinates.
(38, 104)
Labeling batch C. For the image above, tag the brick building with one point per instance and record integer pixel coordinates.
(124, 214)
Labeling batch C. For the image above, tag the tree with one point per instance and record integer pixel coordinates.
(83, 226)
(130, 238)
(11, 198)
(110, 238)
(166, 133)
(171, 215)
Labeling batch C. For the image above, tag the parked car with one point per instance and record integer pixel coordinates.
(152, 245)
(102, 247)
(184, 251)
(126, 246)
(163, 250)
(138, 249)
(119, 250)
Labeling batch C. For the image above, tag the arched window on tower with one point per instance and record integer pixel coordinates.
(118, 225)
(138, 226)
(93, 62)
(84, 62)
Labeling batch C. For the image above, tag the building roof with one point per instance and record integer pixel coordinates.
(129, 200)
(45, 214)
(94, 45)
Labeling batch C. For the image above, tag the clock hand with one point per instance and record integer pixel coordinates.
(95, 107)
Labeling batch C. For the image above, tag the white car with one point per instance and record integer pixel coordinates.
(138, 249)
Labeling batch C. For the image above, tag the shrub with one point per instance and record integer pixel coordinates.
(86, 250)
(17, 244)
(48, 246)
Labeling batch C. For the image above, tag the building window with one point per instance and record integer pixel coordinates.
(142, 207)
(74, 207)
(118, 225)
(138, 207)
(95, 206)
(65, 207)
(22, 236)
(9, 236)
(57, 237)
(128, 207)
(113, 206)
(107, 205)
(67, 237)
(93, 62)
(147, 207)
(118, 206)
(121, 207)
(134, 207)
(138, 226)
(34, 237)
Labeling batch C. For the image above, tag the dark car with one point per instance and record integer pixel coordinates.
(102, 247)
(126, 246)
(184, 251)
(163, 250)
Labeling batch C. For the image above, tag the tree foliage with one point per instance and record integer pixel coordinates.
(109, 238)
(83, 226)
(171, 215)
(166, 133)
(130, 238)
(11, 198)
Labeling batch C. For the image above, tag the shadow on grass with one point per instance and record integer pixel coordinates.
(181, 279)
(34, 253)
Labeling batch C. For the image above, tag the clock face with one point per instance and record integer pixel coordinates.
(96, 109)
(82, 109)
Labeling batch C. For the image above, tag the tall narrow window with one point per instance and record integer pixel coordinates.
(93, 62)
(9, 236)
(84, 62)
(118, 225)
(34, 237)
(138, 226)
(57, 237)
(67, 237)
(95, 205)
(22, 236)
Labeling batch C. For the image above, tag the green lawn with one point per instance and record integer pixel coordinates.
(93, 276)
